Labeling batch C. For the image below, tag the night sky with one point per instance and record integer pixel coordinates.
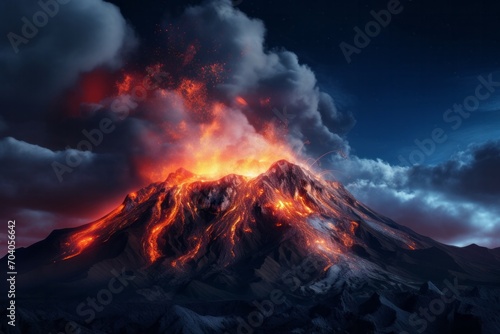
(413, 116)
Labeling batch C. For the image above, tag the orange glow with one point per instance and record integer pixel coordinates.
(175, 205)
(195, 97)
(354, 227)
(80, 241)
(211, 138)
(280, 205)
(241, 101)
(85, 242)
(152, 240)
(124, 85)
(412, 245)
(347, 240)
(213, 154)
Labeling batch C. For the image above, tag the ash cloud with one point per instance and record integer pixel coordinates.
(224, 81)
(220, 33)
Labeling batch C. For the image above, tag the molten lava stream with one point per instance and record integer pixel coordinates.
(152, 244)
(297, 212)
(182, 260)
(101, 229)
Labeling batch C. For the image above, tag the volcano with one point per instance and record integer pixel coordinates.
(284, 252)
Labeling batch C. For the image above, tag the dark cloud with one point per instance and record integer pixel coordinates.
(454, 202)
(34, 225)
(223, 78)
(43, 51)
(46, 47)
(222, 34)
(28, 181)
(471, 175)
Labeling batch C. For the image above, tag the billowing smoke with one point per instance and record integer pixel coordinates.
(215, 101)
(223, 103)
(47, 44)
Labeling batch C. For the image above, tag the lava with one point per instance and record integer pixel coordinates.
(152, 245)
(189, 214)
(241, 101)
(101, 229)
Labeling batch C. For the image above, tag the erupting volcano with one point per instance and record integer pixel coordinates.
(176, 167)
(205, 250)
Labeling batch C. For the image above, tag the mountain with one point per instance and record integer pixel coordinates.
(284, 252)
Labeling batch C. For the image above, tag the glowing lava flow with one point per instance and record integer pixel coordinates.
(235, 221)
(80, 241)
(152, 240)
(102, 229)
(185, 218)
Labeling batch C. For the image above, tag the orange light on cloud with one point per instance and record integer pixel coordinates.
(241, 101)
